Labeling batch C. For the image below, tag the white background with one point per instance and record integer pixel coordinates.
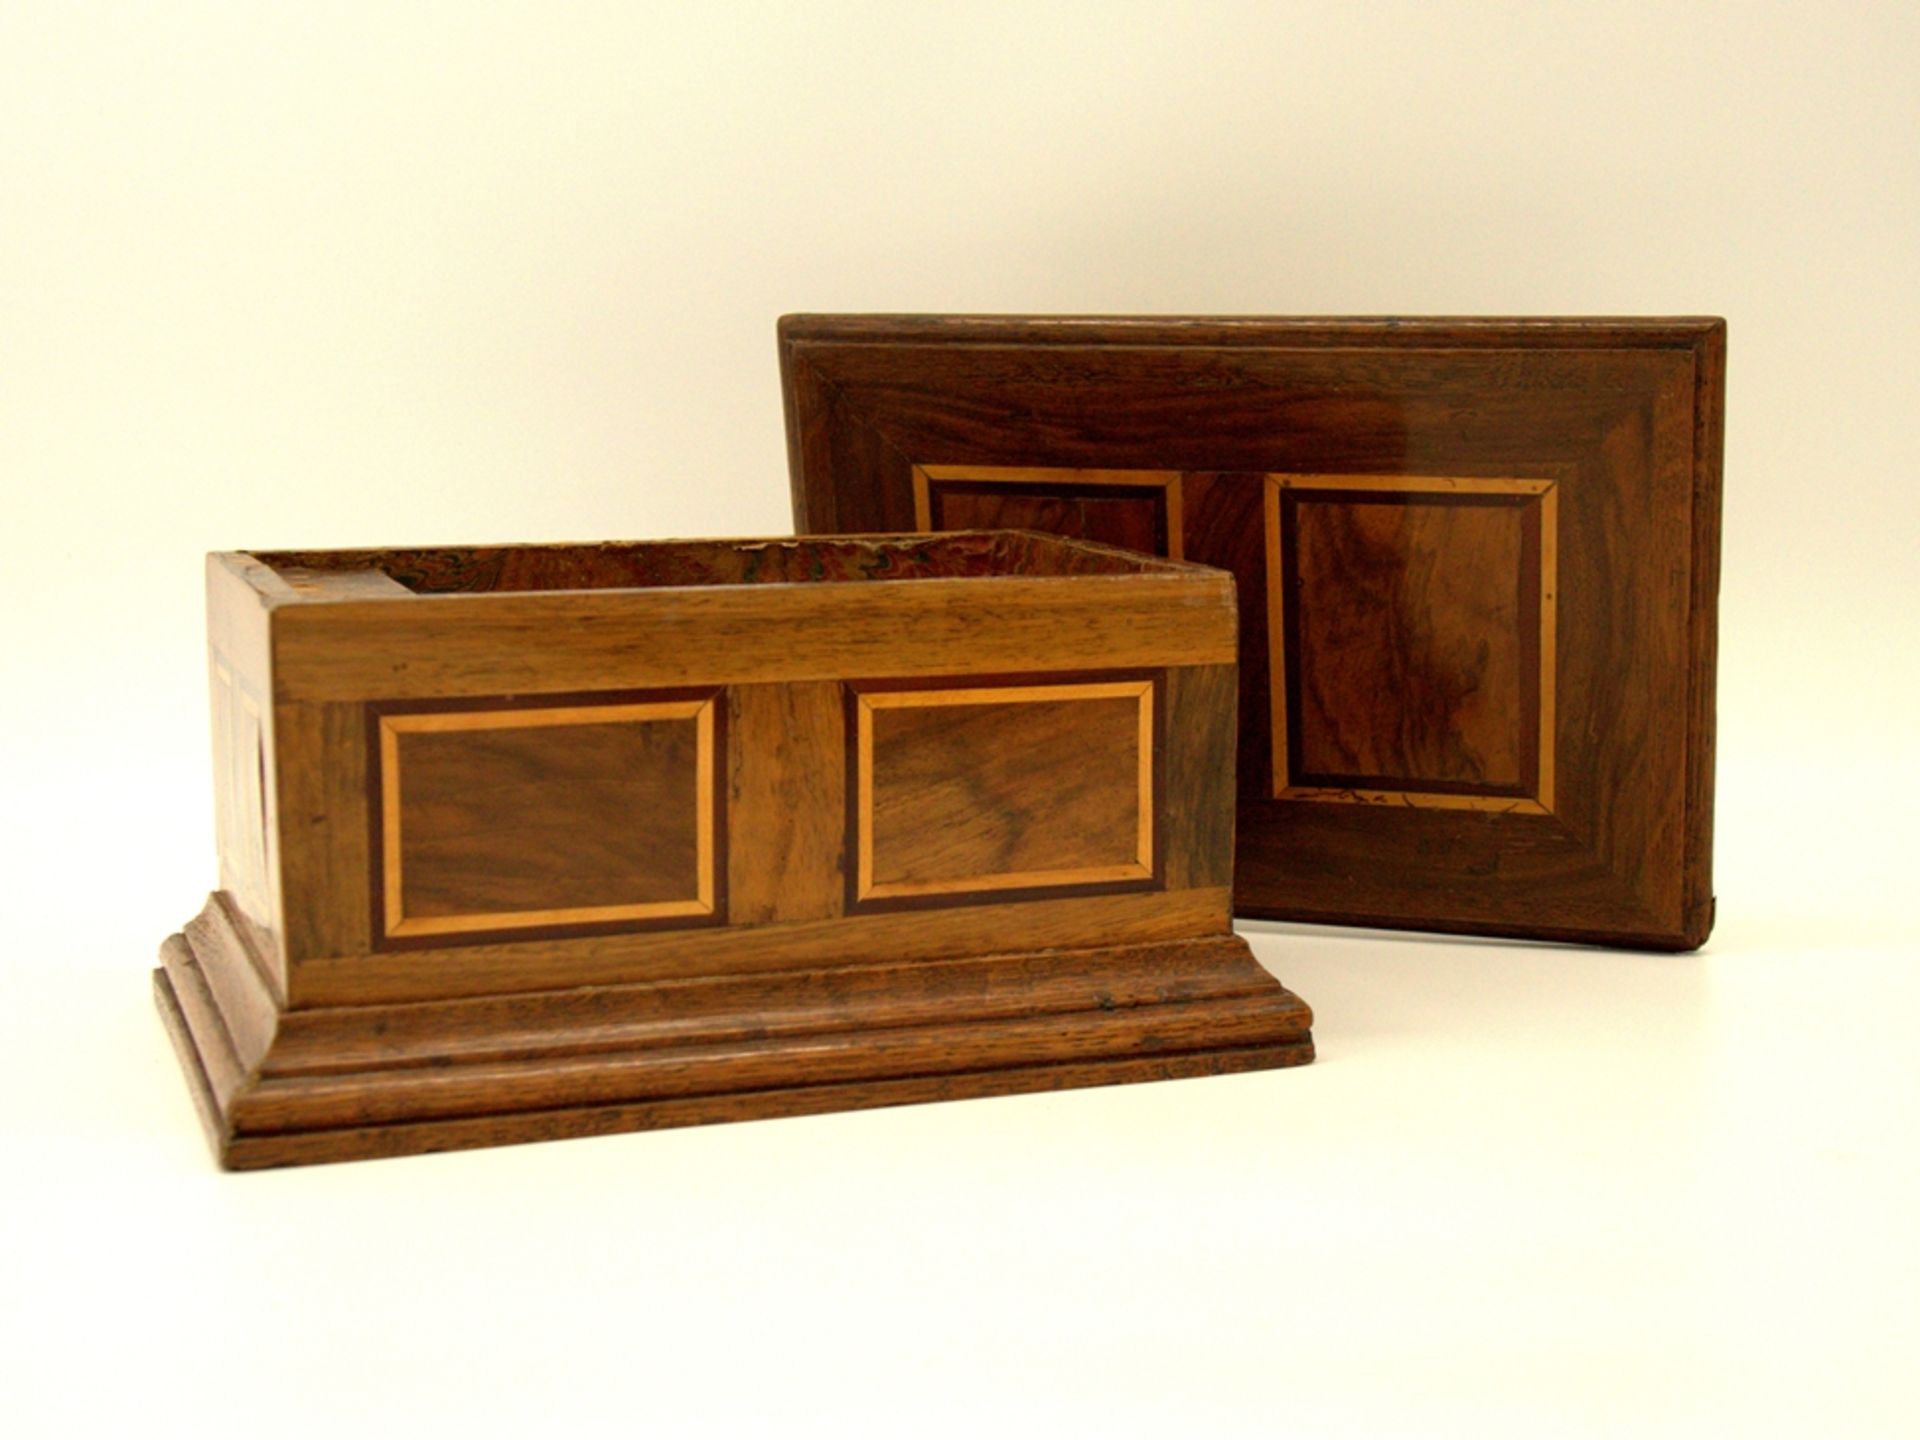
(359, 274)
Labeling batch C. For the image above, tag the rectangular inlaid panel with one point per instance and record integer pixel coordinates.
(1412, 625)
(974, 791)
(1134, 509)
(535, 818)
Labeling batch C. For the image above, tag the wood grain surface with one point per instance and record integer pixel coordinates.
(984, 788)
(1135, 509)
(1413, 625)
(479, 966)
(787, 767)
(530, 817)
(533, 643)
(1407, 646)
(1505, 733)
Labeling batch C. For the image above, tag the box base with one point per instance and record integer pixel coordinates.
(354, 1082)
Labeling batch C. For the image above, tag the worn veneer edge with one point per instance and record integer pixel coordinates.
(1710, 358)
(798, 331)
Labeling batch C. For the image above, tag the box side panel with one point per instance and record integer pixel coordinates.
(245, 761)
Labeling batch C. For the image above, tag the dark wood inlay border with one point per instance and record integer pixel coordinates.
(1538, 584)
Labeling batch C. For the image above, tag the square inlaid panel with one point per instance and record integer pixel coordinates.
(541, 818)
(1134, 509)
(974, 792)
(1477, 564)
(1411, 620)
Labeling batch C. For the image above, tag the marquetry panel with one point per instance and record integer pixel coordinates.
(1411, 625)
(534, 818)
(966, 792)
(1134, 509)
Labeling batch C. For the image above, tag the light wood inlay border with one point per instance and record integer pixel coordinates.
(868, 703)
(1545, 495)
(1167, 481)
(393, 726)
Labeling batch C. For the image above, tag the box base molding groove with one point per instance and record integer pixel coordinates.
(357, 1082)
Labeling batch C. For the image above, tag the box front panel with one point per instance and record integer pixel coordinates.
(508, 843)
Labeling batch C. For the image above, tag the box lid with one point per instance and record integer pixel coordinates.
(1478, 564)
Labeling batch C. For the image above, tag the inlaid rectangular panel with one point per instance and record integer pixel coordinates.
(1411, 621)
(1134, 509)
(1477, 564)
(981, 791)
(545, 817)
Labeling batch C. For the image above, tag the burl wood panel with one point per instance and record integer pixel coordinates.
(1413, 620)
(1484, 738)
(1409, 646)
(487, 878)
(532, 817)
(975, 790)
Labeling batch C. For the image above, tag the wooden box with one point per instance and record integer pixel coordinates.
(537, 841)
(1478, 563)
